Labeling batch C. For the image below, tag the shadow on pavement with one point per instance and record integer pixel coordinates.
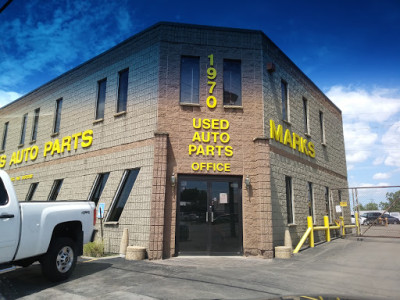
(27, 281)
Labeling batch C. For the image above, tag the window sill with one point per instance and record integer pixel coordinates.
(2, 151)
(324, 144)
(54, 134)
(233, 106)
(32, 142)
(98, 121)
(292, 225)
(119, 114)
(189, 104)
(287, 122)
(111, 223)
(307, 135)
(20, 145)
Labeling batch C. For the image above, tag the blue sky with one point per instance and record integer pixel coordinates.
(350, 49)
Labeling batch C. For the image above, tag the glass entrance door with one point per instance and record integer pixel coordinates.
(209, 215)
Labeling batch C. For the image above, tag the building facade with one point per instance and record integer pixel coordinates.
(199, 140)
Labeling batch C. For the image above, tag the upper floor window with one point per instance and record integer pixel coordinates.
(327, 204)
(122, 90)
(35, 124)
(285, 105)
(57, 116)
(5, 131)
(190, 74)
(310, 199)
(322, 126)
(232, 82)
(305, 113)
(23, 129)
(123, 191)
(98, 187)
(101, 98)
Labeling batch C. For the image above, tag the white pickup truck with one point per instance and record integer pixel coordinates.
(52, 233)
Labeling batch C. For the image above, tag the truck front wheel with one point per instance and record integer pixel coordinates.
(60, 260)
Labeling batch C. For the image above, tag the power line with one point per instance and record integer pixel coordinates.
(5, 5)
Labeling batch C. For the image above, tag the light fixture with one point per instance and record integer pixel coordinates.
(247, 182)
(173, 179)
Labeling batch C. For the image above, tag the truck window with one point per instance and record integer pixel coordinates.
(3, 194)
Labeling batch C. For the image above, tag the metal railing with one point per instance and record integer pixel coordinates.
(327, 228)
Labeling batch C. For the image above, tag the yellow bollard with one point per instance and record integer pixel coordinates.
(310, 225)
(342, 224)
(357, 223)
(327, 231)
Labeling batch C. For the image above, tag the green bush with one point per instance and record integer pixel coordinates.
(94, 249)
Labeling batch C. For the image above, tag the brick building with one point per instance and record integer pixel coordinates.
(199, 140)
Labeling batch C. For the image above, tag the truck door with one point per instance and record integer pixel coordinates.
(9, 220)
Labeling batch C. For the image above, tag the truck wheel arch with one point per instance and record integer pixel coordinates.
(72, 230)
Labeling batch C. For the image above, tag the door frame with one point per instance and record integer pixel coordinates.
(208, 178)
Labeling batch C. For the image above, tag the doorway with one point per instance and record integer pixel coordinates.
(209, 218)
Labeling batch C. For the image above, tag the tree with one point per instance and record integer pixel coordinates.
(392, 198)
(371, 206)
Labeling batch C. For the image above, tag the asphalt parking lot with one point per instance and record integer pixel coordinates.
(345, 268)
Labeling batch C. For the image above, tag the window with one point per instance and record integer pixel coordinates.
(305, 112)
(322, 126)
(101, 98)
(3, 143)
(232, 82)
(327, 204)
(190, 74)
(55, 190)
(31, 191)
(123, 191)
(122, 90)
(35, 124)
(23, 129)
(285, 106)
(289, 200)
(57, 116)
(340, 195)
(310, 199)
(3, 194)
(98, 187)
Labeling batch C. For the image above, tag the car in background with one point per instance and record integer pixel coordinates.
(395, 214)
(370, 218)
(391, 219)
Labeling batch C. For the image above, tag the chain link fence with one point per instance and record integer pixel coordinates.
(378, 210)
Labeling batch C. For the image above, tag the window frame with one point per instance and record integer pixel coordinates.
(306, 116)
(5, 133)
(57, 116)
(118, 194)
(23, 129)
(35, 125)
(100, 97)
(97, 185)
(122, 106)
(285, 101)
(328, 203)
(194, 81)
(239, 101)
(310, 200)
(31, 191)
(289, 200)
(322, 127)
(55, 189)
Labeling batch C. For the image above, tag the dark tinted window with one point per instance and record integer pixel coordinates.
(35, 124)
(232, 82)
(98, 187)
(190, 74)
(122, 90)
(55, 190)
(3, 194)
(101, 98)
(31, 191)
(57, 117)
(124, 189)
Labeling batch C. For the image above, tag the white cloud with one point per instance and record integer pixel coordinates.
(380, 176)
(391, 145)
(7, 97)
(363, 106)
(359, 139)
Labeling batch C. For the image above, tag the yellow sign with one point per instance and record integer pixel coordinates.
(24, 177)
(84, 139)
(343, 204)
(292, 140)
